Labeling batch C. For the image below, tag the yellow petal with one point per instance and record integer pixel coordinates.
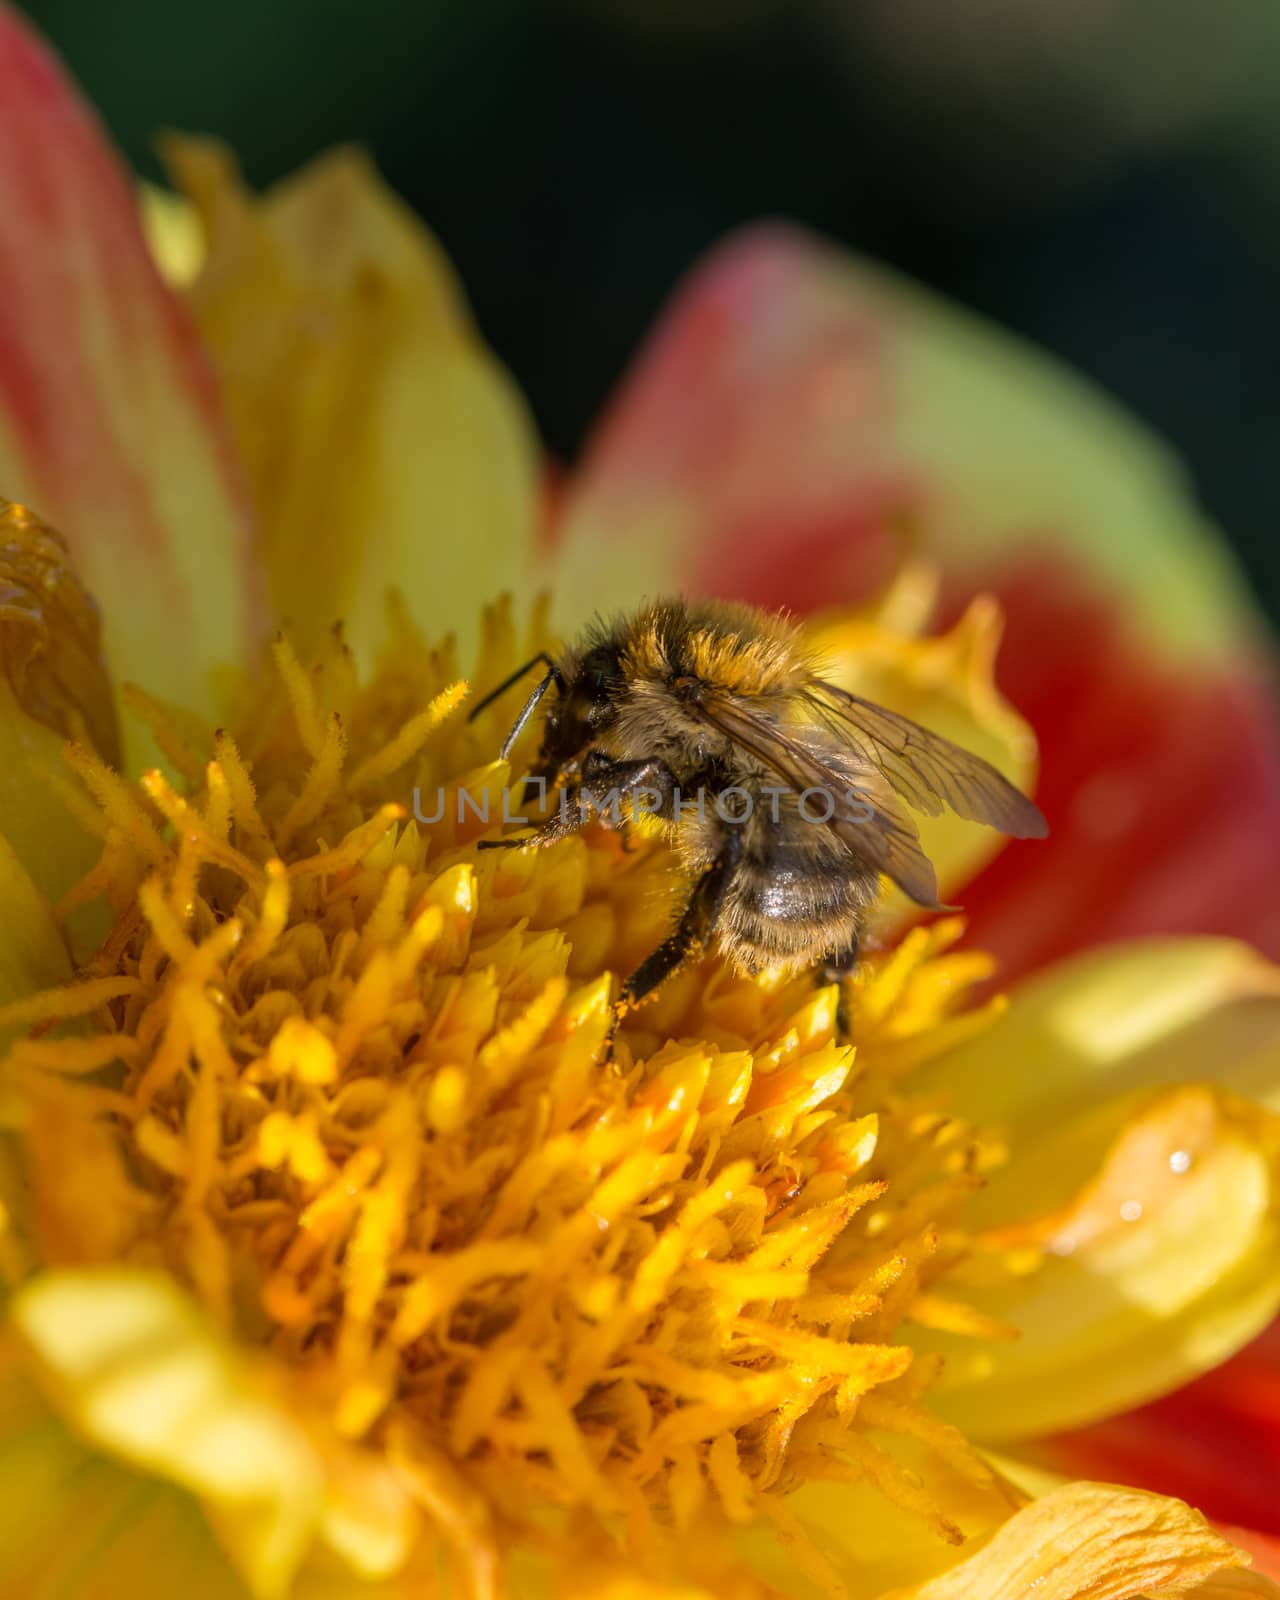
(947, 683)
(386, 447)
(1093, 1541)
(83, 1526)
(870, 1542)
(1162, 1265)
(32, 954)
(76, 1525)
(131, 1364)
(1154, 1196)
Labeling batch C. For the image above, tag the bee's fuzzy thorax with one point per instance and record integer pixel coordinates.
(717, 642)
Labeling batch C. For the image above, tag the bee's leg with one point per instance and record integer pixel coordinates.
(567, 819)
(694, 928)
(835, 969)
(608, 783)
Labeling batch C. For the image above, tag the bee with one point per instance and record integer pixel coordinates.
(781, 794)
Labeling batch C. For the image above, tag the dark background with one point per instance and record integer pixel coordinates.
(1100, 175)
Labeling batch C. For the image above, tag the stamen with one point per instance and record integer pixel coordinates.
(352, 1076)
(411, 738)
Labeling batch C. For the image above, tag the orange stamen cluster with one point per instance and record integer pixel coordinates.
(347, 1078)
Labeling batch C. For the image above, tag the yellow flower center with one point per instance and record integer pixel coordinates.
(345, 1076)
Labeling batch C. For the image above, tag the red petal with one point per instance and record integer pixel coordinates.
(1215, 1442)
(1161, 783)
(109, 426)
(796, 412)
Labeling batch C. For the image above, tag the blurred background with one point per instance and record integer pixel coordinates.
(1102, 176)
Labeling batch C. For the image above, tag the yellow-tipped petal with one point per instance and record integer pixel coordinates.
(947, 683)
(1094, 1541)
(139, 1373)
(386, 448)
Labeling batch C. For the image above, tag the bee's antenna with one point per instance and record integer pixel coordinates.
(554, 675)
(530, 706)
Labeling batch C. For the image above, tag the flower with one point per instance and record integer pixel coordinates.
(323, 1208)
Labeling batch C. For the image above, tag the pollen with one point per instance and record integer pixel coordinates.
(351, 1082)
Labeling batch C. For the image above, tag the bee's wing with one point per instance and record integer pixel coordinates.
(927, 770)
(883, 834)
(873, 826)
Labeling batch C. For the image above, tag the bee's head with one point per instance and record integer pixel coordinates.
(585, 708)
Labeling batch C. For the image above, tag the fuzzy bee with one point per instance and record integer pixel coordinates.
(781, 794)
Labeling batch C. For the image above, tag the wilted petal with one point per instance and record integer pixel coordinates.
(108, 422)
(1093, 1541)
(51, 635)
(386, 447)
(53, 686)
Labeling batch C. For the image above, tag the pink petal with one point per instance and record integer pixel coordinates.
(109, 426)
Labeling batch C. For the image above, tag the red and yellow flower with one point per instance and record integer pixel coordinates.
(337, 1260)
